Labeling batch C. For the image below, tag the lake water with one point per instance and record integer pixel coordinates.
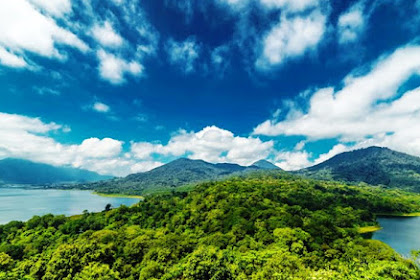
(21, 204)
(401, 233)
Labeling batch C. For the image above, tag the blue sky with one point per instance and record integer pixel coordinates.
(119, 86)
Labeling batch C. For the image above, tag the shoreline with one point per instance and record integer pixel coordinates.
(119, 195)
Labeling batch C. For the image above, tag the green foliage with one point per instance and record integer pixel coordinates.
(262, 226)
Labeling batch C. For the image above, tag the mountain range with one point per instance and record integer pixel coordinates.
(177, 173)
(19, 171)
(373, 165)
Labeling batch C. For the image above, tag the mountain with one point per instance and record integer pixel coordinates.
(374, 165)
(263, 164)
(19, 171)
(177, 173)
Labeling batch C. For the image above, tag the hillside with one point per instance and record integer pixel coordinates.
(374, 165)
(177, 173)
(262, 227)
(19, 171)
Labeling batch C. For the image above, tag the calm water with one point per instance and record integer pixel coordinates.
(401, 233)
(22, 204)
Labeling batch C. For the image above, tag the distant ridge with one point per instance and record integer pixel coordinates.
(177, 173)
(20, 171)
(373, 165)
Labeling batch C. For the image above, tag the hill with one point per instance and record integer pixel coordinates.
(19, 171)
(177, 173)
(267, 227)
(373, 165)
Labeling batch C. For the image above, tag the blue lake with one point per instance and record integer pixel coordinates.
(21, 204)
(401, 233)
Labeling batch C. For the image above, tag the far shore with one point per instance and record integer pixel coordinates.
(415, 214)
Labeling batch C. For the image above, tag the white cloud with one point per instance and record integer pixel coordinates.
(291, 38)
(55, 8)
(106, 35)
(29, 138)
(11, 60)
(351, 24)
(291, 5)
(100, 107)
(294, 160)
(114, 69)
(369, 109)
(183, 54)
(212, 144)
(24, 28)
(46, 91)
(97, 148)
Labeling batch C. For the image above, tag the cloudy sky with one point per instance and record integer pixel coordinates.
(123, 86)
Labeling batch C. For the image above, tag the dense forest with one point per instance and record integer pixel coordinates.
(264, 226)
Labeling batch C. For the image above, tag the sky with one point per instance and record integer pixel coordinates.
(124, 86)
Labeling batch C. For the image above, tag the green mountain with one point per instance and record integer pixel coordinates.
(264, 164)
(374, 165)
(19, 171)
(256, 227)
(177, 173)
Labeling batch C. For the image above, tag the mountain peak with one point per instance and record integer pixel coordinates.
(265, 164)
(373, 165)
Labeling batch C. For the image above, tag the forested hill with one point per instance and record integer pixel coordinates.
(374, 165)
(19, 171)
(263, 228)
(177, 173)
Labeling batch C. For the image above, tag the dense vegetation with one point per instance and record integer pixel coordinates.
(172, 175)
(259, 227)
(19, 171)
(374, 165)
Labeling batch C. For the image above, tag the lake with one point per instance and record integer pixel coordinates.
(401, 233)
(21, 204)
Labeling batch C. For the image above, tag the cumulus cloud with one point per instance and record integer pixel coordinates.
(291, 38)
(293, 160)
(369, 109)
(212, 144)
(183, 54)
(23, 28)
(351, 24)
(106, 35)
(100, 148)
(114, 69)
(30, 138)
(100, 107)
